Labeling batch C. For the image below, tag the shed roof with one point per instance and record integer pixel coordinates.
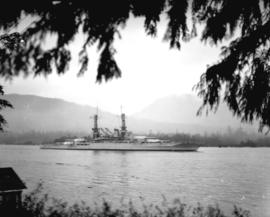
(9, 180)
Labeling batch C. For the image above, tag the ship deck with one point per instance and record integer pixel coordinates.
(123, 147)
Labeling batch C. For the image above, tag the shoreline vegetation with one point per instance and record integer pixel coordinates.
(39, 204)
(228, 139)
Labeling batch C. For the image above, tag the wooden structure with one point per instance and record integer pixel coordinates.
(11, 187)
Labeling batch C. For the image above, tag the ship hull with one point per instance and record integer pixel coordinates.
(124, 147)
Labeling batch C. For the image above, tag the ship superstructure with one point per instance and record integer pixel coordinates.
(95, 129)
(100, 134)
(103, 139)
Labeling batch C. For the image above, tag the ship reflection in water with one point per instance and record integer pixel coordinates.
(120, 140)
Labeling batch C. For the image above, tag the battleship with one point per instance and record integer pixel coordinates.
(103, 139)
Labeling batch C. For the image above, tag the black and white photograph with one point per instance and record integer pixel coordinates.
(132, 108)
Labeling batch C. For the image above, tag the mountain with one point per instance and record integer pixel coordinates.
(166, 115)
(47, 114)
(42, 114)
(182, 110)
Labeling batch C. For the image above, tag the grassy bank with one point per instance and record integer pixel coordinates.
(38, 204)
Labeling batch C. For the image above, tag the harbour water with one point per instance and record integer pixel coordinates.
(227, 176)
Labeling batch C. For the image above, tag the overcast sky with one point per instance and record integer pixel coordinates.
(150, 70)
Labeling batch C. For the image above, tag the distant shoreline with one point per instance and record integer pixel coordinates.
(204, 146)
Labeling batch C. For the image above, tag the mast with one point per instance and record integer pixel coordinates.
(95, 129)
(123, 124)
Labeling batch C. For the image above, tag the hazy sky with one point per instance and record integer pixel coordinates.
(150, 70)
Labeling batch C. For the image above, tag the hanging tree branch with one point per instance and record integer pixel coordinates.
(240, 77)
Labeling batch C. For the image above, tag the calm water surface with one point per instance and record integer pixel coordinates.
(227, 176)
